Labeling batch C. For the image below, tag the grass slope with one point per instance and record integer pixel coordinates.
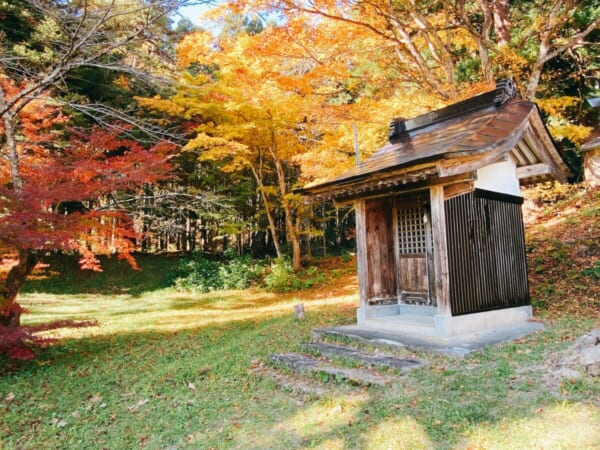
(563, 245)
(170, 370)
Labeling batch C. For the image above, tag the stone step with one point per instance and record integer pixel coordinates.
(416, 324)
(366, 358)
(309, 365)
(293, 383)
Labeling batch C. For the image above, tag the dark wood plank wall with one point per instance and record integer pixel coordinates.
(486, 252)
(380, 251)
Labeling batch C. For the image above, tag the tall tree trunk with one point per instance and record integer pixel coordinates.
(268, 209)
(290, 228)
(500, 10)
(481, 35)
(536, 70)
(270, 219)
(10, 311)
(534, 81)
(308, 235)
(10, 146)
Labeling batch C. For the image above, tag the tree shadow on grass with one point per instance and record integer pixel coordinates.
(231, 300)
(60, 274)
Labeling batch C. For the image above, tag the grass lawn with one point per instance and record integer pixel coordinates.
(165, 369)
(171, 370)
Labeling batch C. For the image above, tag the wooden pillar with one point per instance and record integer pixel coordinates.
(361, 251)
(440, 250)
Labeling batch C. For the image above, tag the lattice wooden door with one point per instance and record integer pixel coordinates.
(415, 252)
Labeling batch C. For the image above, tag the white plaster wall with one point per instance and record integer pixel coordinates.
(499, 177)
(591, 167)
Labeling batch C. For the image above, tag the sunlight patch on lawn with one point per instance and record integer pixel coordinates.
(397, 433)
(561, 426)
(169, 311)
(321, 418)
(332, 444)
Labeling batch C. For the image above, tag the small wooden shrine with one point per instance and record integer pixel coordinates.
(439, 228)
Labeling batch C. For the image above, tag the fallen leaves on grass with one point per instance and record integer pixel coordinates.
(563, 252)
(59, 423)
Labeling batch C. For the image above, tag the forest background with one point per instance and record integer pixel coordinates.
(126, 128)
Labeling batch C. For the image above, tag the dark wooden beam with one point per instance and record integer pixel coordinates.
(540, 139)
(505, 90)
(368, 192)
(440, 250)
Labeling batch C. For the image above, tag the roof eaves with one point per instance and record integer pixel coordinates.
(505, 91)
(364, 176)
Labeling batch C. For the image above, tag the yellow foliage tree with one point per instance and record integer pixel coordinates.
(558, 123)
(258, 110)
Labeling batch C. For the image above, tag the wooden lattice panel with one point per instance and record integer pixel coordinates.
(411, 231)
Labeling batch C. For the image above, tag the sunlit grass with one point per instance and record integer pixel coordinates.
(325, 415)
(398, 433)
(560, 426)
(171, 311)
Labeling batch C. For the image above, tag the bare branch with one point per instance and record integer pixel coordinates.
(577, 39)
(88, 39)
(113, 119)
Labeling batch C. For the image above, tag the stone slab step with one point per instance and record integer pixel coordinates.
(309, 365)
(366, 358)
(293, 383)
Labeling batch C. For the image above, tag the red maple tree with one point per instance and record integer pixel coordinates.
(55, 186)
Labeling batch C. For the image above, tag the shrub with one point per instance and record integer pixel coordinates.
(551, 192)
(240, 272)
(282, 278)
(593, 271)
(346, 257)
(198, 273)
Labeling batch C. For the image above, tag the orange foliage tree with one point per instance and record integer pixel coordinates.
(442, 45)
(282, 103)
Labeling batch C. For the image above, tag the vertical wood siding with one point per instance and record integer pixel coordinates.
(486, 252)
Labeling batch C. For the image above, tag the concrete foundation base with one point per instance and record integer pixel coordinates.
(423, 321)
(459, 345)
